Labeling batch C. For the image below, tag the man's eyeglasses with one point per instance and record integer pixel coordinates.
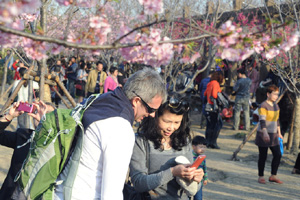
(148, 108)
(176, 103)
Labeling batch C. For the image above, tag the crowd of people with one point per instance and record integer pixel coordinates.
(83, 78)
(111, 147)
(241, 100)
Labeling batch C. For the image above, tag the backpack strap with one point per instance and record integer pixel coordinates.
(59, 136)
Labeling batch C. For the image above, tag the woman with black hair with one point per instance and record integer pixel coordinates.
(159, 141)
(81, 80)
(213, 119)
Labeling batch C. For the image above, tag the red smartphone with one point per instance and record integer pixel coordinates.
(198, 161)
(26, 107)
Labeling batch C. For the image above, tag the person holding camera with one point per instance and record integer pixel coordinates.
(19, 141)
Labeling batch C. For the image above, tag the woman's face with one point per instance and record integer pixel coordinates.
(168, 123)
(115, 73)
(273, 96)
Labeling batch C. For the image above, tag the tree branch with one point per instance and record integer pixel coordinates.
(91, 47)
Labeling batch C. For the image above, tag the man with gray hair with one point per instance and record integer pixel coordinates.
(109, 138)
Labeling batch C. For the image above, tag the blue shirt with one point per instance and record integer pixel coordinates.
(242, 88)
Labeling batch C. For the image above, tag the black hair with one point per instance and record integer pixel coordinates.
(112, 70)
(199, 140)
(82, 65)
(22, 71)
(89, 65)
(99, 62)
(241, 71)
(181, 137)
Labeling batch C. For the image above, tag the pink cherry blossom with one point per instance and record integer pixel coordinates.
(246, 53)
(56, 49)
(271, 53)
(230, 54)
(34, 49)
(285, 47)
(17, 25)
(228, 27)
(293, 40)
(28, 17)
(63, 2)
(152, 6)
(257, 46)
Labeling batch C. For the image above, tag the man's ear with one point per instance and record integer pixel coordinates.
(134, 101)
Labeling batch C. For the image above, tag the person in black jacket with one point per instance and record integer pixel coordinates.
(19, 141)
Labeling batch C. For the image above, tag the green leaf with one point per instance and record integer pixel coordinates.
(191, 45)
(247, 40)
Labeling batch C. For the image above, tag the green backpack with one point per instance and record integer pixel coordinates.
(51, 145)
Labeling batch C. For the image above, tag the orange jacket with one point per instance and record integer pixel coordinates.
(213, 87)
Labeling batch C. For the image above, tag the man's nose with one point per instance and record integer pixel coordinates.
(152, 114)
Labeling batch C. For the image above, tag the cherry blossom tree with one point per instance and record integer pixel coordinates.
(149, 34)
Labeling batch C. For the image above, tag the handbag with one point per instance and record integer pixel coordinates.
(79, 84)
(222, 100)
(129, 193)
(209, 107)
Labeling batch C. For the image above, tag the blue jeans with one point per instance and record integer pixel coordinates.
(238, 104)
(198, 196)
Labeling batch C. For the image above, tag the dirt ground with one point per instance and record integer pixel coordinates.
(227, 179)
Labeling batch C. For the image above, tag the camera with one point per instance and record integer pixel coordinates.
(27, 107)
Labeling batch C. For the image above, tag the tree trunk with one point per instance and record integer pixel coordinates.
(295, 147)
(43, 67)
(5, 74)
(7, 91)
(291, 132)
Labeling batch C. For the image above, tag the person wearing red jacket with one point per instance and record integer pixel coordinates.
(214, 120)
(17, 67)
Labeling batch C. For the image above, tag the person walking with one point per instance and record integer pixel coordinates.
(267, 135)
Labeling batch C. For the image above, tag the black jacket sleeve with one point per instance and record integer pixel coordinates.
(7, 138)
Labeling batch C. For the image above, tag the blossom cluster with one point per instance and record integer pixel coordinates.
(150, 52)
(101, 28)
(234, 45)
(10, 10)
(152, 7)
(81, 3)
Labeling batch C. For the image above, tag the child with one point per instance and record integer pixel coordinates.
(199, 147)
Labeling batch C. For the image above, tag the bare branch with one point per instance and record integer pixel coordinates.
(92, 47)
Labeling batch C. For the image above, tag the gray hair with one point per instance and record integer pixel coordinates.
(146, 83)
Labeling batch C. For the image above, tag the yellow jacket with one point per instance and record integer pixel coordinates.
(92, 79)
